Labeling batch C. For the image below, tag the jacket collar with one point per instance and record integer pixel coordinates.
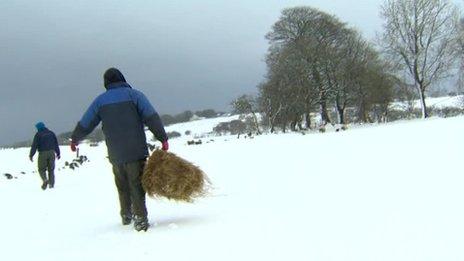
(116, 85)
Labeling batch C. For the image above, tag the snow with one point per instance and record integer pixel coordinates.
(438, 103)
(446, 101)
(391, 192)
(200, 128)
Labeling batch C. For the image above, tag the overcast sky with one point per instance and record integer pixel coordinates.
(183, 54)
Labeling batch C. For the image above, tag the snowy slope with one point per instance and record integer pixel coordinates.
(438, 103)
(442, 102)
(200, 127)
(392, 192)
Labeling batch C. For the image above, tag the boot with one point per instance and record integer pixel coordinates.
(44, 185)
(126, 219)
(141, 223)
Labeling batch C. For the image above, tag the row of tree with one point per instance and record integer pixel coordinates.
(97, 135)
(188, 115)
(318, 65)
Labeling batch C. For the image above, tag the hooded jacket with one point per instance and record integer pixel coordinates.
(44, 140)
(123, 112)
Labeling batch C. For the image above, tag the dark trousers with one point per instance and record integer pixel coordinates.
(46, 163)
(128, 179)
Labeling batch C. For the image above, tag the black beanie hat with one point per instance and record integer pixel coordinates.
(113, 75)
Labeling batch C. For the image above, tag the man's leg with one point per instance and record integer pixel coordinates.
(134, 172)
(51, 169)
(42, 166)
(122, 184)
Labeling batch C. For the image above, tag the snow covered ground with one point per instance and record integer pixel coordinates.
(442, 102)
(199, 128)
(438, 103)
(392, 192)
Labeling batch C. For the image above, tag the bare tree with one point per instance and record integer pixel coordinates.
(422, 35)
(313, 36)
(246, 104)
(314, 62)
(460, 82)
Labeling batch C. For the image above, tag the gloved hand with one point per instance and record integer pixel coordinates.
(165, 146)
(58, 157)
(74, 146)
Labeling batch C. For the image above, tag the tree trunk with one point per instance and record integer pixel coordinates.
(341, 115)
(308, 120)
(296, 123)
(293, 125)
(341, 112)
(273, 119)
(362, 112)
(324, 114)
(385, 115)
(255, 119)
(322, 97)
(425, 113)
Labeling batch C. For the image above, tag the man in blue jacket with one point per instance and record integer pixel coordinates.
(124, 112)
(46, 143)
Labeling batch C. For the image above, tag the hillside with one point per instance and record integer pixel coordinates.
(391, 192)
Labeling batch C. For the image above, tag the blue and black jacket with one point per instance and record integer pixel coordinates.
(44, 140)
(123, 112)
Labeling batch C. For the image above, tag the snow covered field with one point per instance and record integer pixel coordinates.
(198, 128)
(392, 192)
(438, 103)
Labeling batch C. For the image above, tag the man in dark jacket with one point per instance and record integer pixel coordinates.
(123, 112)
(46, 143)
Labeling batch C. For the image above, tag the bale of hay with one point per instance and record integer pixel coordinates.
(167, 175)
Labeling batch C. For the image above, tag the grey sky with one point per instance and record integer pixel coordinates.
(182, 54)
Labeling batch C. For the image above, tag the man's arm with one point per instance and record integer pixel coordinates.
(87, 124)
(150, 117)
(34, 146)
